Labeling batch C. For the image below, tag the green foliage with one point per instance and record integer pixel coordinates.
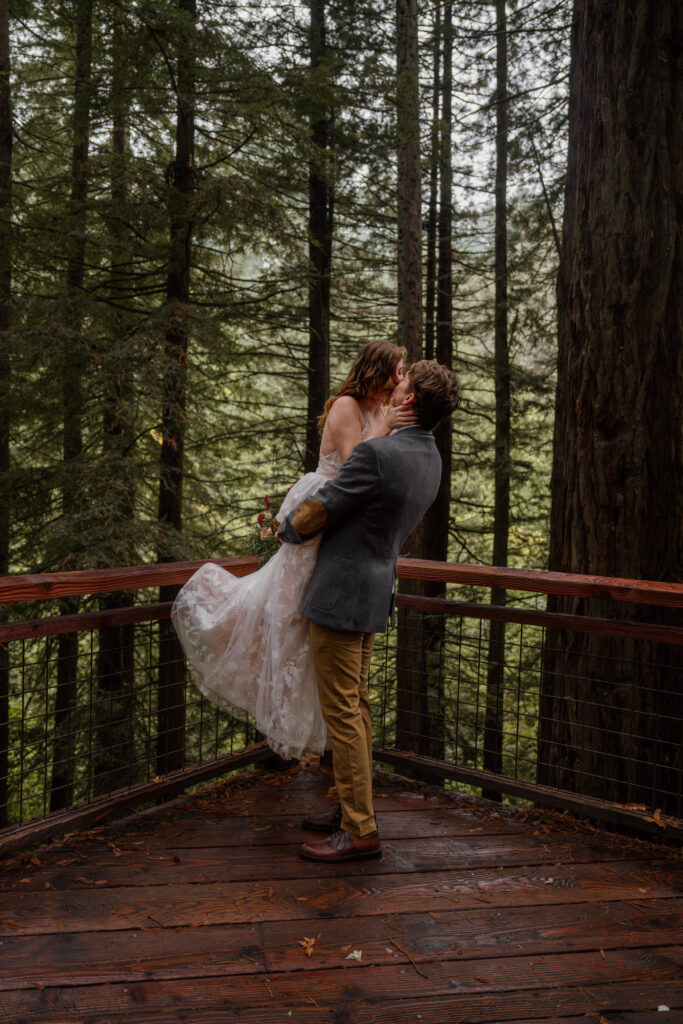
(255, 99)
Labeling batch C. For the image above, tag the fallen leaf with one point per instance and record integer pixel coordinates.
(11, 924)
(307, 944)
(345, 949)
(602, 953)
(302, 899)
(355, 954)
(435, 916)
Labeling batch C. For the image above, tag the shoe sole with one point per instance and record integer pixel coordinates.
(339, 860)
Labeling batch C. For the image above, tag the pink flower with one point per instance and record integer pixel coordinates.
(266, 532)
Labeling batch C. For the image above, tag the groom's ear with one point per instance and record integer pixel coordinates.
(409, 398)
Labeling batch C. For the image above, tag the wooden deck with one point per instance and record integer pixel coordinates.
(201, 911)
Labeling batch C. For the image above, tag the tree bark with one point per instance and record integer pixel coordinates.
(611, 712)
(6, 133)
(320, 225)
(437, 519)
(171, 686)
(115, 669)
(495, 685)
(409, 692)
(409, 271)
(73, 359)
(434, 156)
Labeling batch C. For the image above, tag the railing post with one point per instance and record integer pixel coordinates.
(170, 694)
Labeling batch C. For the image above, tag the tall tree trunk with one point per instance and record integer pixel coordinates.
(495, 684)
(115, 669)
(320, 224)
(409, 700)
(72, 401)
(171, 692)
(6, 131)
(437, 518)
(610, 710)
(409, 273)
(434, 156)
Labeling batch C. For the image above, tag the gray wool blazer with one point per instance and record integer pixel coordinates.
(380, 493)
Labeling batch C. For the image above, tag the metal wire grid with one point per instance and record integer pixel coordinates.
(108, 738)
(634, 728)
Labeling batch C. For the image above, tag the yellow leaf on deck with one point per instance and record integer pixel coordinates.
(307, 944)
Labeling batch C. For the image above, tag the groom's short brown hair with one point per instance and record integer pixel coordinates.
(436, 391)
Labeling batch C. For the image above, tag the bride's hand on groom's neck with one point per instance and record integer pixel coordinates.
(403, 415)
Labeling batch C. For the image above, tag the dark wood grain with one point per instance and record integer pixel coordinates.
(196, 911)
(547, 620)
(516, 981)
(208, 950)
(97, 581)
(573, 584)
(188, 895)
(93, 581)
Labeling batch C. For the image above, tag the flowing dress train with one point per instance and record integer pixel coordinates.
(246, 643)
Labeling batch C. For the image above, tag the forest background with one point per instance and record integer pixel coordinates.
(272, 103)
(207, 207)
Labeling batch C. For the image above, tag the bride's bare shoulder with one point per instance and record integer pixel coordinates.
(345, 410)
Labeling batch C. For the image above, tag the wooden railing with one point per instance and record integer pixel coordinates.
(84, 738)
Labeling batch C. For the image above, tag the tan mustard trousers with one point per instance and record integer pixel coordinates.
(342, 661)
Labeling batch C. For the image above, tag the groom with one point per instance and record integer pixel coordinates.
(366, 512)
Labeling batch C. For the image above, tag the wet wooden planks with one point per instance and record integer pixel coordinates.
(197, 912)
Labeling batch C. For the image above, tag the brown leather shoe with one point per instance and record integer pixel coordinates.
(342, 846)
(330, 821)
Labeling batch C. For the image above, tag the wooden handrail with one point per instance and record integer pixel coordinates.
(541, 582)
(97, 581)
(531, 617)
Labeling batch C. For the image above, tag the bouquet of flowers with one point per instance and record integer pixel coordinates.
(265, 541)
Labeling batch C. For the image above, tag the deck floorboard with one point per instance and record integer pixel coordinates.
(196, 911)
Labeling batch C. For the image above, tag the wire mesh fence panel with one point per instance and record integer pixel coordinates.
(599, 715)
(84, 721)
(98, 700)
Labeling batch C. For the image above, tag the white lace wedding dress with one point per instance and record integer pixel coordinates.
(246, 643)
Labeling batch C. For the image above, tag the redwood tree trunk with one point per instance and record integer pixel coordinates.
(409, 695)
(409, 274)
(5, 328)
(73, 359)
(495, 684)
(171, 691)
(115, 668)
(614, 709)
(436, 521)
(320, 212)
(430, 268)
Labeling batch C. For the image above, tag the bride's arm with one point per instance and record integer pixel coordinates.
(394, 418)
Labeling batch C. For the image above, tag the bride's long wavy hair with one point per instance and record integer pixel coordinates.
(371, 372)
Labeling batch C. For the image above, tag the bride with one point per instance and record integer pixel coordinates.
(243, 637)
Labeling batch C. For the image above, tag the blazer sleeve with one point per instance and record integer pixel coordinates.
(357, 482)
